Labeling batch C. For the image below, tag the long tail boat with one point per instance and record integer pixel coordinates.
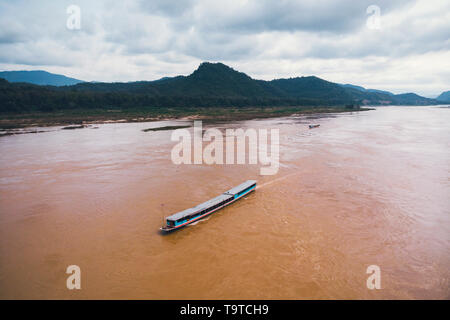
(183, 218)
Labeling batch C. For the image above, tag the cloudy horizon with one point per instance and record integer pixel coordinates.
(406, 50)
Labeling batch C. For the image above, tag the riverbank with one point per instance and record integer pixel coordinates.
(11, 121)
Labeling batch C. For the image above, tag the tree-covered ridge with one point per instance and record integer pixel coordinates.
(211, 85)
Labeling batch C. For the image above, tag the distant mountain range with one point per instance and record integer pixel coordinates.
(444, 96)
(212, 84)
(38, 77)
(366, 90)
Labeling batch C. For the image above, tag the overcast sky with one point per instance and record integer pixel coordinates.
(406, 50)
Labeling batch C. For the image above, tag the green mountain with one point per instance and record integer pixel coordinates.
(211, 85)
(413, 99)
(226, 86)
(38, 77)
(313, 88)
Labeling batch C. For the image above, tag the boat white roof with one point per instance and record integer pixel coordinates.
(200, 207)
(241, 187)
(205, 205)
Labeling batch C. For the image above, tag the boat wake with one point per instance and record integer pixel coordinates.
(276, 180)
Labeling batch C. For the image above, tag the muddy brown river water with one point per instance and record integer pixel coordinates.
(367, 188)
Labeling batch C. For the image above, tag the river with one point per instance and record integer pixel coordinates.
(364, 188)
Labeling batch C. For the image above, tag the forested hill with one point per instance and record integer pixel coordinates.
(211, 85)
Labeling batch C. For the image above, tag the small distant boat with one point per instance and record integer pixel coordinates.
(314, 126)
(183, 218)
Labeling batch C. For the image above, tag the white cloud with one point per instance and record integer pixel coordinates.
(137, 39)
